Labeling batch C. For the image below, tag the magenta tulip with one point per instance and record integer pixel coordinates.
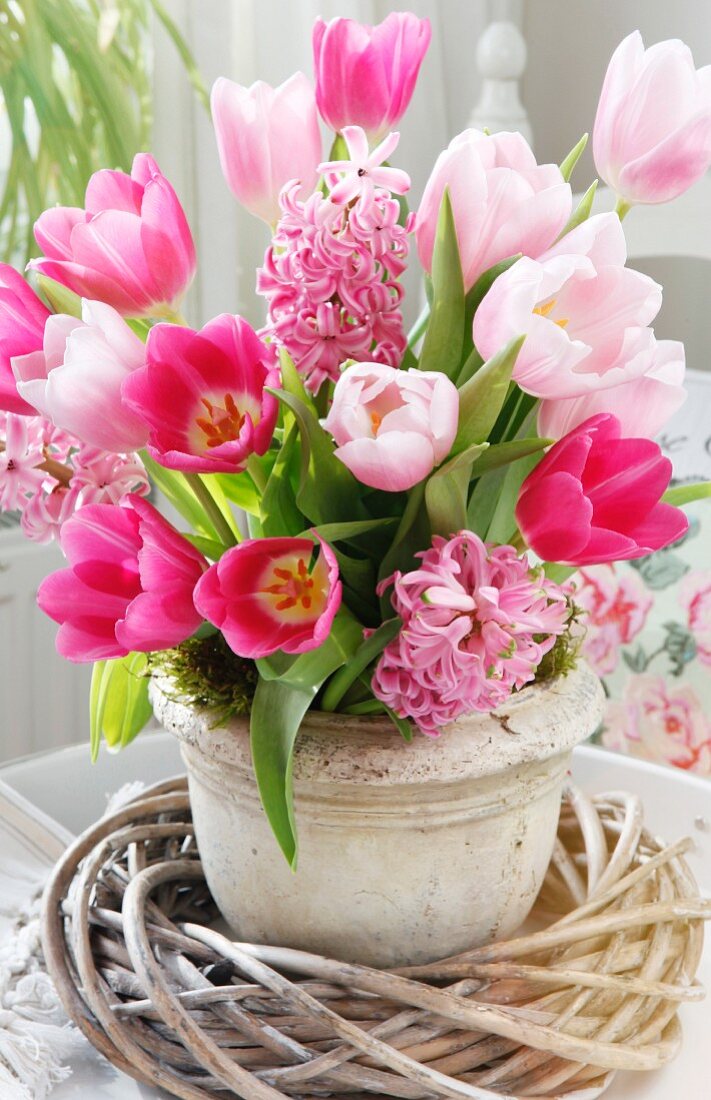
(129, 585)
(269, 594)
(502, 200)
(22, 321)
(130, 247)
(585, 314)
(203, 395)
(595, 497)
(652, 135)
(643, 405)
(266, 137)
(365, 76)
(75, 380)
(392, 427)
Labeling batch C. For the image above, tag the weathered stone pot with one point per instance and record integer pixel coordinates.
(407, 852)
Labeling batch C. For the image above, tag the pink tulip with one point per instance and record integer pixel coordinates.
(595, 497)
(266, 137)
(652, 135)
(131, 247)
(22, 321)
(268, 594)
(503, 202)
(365, 76)
(583, 312)
(203, 395)
(129, 585)
(392, 427)
(75, 380)
(643, 405)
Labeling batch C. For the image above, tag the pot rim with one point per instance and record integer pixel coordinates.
(541, 721)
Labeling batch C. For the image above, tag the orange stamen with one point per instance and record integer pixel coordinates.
(294, 586)
(223, 423)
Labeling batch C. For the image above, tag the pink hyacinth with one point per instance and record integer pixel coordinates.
(331, 279)
(131, 246)
(477, 620)
(129, 585)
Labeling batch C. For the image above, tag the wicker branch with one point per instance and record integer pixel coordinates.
(130, 942)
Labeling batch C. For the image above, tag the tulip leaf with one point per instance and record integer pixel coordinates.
(292, 382)
(347, 532)
(482, 397)
(119, 703)
(175, 488)
(447, 490)
(559, 573)
(279, 512)
(568, 164)
(582, 211)
(501, 454)
(687, 494)
(211, 548)
(58, 297)
(442, 346)
(239, 488)
(328, 492)
(370, 648)
(413, 534)
(278, 708)
(502, 526)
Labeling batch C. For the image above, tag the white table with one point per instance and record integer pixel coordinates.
(64, 785)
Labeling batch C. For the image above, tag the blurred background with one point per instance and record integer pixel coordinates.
(87, 83)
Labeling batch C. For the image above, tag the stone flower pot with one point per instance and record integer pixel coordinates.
(407, 852)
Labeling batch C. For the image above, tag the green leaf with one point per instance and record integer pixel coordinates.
(277, 712)
(367, 651)
(483, 499)
(482, 397)
(119, 704)
(501, 454)
(559, 573)
(214, 485)
(568, 164)
(174, 487)
(59, 299)
(442, 347)
(328, 492)
(345, 532)
(503, 523)
(680, 495)
(292, 382)
(279, 512)
(239, 488)
(403, 725)
(309, 670)
(211, 548)
(582, 211)
(413, 534)
(447, 490)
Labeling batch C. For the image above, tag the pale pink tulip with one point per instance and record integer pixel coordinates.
(503, 201)
(365, 76)
(652, 135)
(266, 137)
(643, 405)
(130, 247)
(392, 427)
(584, 314)
(75, 381)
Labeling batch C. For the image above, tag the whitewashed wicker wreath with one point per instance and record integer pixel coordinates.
(128, 942)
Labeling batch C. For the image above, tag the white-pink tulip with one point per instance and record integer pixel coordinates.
(75, 380)
(643, 406)
(652, 134)
(266, 137)
(584, 314)
(392, 427)
(502, 200)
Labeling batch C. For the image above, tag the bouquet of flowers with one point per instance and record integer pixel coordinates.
(377, 522)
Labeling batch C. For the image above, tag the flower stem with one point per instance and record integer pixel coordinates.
(419, 327)
(622, 208)
(61, 473)
(212, 509)
(517, 542)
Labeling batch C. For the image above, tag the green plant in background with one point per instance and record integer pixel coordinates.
(75, 96)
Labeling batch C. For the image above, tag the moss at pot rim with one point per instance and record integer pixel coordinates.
(207, 674)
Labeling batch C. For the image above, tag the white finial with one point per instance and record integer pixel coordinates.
(501, 58)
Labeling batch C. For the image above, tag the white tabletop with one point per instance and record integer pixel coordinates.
(64, 785)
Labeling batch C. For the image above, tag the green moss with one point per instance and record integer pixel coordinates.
(564, 656)
(208, 674)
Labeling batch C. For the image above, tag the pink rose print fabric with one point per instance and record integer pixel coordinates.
(660, 721)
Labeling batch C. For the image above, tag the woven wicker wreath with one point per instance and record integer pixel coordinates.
(128, 942)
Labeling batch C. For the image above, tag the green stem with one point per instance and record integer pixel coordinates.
(622, 208)
(205, 497)
(172, 316)
(255, 471)
(419, 327)
(517, 542)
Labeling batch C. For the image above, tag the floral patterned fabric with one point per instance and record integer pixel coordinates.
(649, 621)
